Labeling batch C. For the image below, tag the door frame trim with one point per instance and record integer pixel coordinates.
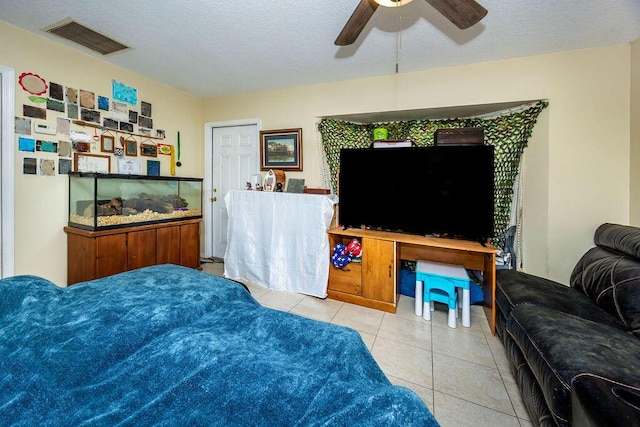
(207, 214)
(7, 152)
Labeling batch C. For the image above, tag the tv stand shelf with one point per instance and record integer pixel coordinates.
(375, 282)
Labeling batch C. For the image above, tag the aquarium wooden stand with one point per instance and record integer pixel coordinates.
(95, 254)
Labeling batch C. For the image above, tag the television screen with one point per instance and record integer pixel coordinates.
(445, 191)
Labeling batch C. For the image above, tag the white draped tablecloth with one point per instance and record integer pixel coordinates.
(279, 240)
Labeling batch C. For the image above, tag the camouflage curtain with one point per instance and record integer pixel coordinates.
(508, 133)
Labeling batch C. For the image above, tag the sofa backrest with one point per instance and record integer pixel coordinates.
(609, 273)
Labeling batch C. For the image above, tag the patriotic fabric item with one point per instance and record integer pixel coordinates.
(341, 257)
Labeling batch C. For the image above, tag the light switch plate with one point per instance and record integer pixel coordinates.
(44, 128)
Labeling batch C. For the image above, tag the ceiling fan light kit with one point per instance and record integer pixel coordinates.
(462, 13)
(392, 3)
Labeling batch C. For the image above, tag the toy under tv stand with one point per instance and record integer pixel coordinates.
(374, 282)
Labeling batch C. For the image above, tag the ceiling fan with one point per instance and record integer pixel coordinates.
(462, 13)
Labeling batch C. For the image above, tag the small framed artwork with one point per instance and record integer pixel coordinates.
(110, 123)
(130, 147)
(83, 162)
(281, 149)
(165, 149)
(145, 122)
(153, 168)
(129, 166)
(145, 108)
(107, 143)
(149, 150)
(127, 127)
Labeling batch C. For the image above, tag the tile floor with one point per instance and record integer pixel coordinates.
(461, 374)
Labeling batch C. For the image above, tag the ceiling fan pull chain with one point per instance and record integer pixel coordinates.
(398, 44)
(397, 55)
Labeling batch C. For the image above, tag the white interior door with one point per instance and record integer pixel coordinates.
(234, 158)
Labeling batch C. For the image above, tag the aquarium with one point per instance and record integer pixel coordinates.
(106, 201)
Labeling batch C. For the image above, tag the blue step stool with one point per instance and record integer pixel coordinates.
(439, 282)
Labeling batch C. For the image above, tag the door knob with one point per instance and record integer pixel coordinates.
(214, 199)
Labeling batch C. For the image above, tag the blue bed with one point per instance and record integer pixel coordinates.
(168, 345)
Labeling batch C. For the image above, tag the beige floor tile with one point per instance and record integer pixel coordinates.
(216, 268)
(257, 291)
(362, 319)
(463, 344)
(472, 382)
(525, 423)
(316, 308)
(439, 319)
(404, 361)
(454, 412)
(417, 334)
(513, 392)
(406, 308)
(280, 300)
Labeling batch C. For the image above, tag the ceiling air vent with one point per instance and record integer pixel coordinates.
(77, 33)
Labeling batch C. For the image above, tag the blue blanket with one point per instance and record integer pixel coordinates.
(168, 345)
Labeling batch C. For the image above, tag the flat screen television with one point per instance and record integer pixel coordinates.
(445, 191)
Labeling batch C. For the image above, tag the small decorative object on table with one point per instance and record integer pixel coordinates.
(269, 183)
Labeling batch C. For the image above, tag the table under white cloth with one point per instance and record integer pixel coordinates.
(279, 240)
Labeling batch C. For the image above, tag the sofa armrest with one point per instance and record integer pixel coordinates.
(597, 401)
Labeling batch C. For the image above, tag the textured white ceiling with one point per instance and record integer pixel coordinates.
(212, 48)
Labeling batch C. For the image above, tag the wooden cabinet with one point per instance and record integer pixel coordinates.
(375, 283)
(95, 254)
(168, 245)
(370, 283)
(190, 245)
(379, 270)
(141, 249)
(110, 256)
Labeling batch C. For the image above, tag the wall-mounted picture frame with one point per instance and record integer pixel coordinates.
(153, 167)
(107, 143)
(130, 147)
(281, 149)
(127, 127)
(84, 162)
(149, 150)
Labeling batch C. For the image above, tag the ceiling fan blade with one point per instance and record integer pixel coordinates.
(357, 21)
(462, 13)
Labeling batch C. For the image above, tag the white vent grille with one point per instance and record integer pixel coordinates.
(77, 33)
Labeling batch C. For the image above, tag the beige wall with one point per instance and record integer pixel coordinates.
(576, 172)
(635, 134)
(41, 202)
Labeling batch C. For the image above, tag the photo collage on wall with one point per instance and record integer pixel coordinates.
(62, 123)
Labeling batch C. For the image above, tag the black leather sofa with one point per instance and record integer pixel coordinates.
(575, 350)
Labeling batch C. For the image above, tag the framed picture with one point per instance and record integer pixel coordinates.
(129, 166)
(149, 150)
(153, 168)
(107, 143)
(83, 162)
(130, 147)
(281, 149)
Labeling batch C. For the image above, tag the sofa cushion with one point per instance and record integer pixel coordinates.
(558, 346)
(609, 273)
(514, 288)
(624, 239)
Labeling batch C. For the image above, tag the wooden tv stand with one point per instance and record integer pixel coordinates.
(375, 281)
